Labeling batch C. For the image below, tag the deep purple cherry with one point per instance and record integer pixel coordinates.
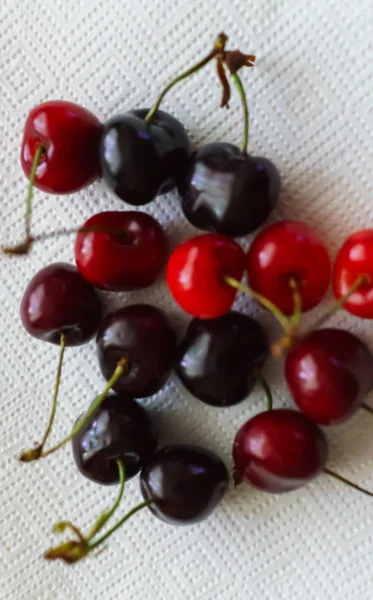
(120, 429)
(227, 191)
(140, 334)
(184, 483)
(218, 359)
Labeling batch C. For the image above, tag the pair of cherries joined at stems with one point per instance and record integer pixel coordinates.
(140, 155)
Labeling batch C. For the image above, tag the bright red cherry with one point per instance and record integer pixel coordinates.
(279, 451)
(328, 373)
(284, 251)
(69, 136)
(355, 259)
(120, 262)
(196, 270)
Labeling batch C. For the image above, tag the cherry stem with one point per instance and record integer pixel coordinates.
(36, 452)
(105, 516)
(126, 517)
(25, 247)
(119, 370)
(367, 407)
(74, 550)
(242, 93)
(360, 280)
(286, 342)
(282, 319)
(264, 383)
(219, 46)
(347, 482)
(30, 191)
(297, 298)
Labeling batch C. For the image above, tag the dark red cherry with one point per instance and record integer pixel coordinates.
(217, 358)
(141, 160)
(69, 136)
(279, 451)
(120, 262)
(119, 429)
(329, 372)
(185, 483)
(58, 300)
(227, 191)
(141, 334)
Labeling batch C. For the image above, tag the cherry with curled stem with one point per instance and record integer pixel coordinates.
(36, 453)
(218, 49)
(74, 550)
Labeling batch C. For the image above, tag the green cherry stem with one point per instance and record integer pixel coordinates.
(297, 299)
(25, 247)
(219, 46)
(347, 482)
(36, 452)
(264, 383)
(238, 83)
(359, 282)
(30, 191)
(126, 517)
(103, 519)
(119, 370)
(74, 550)
(281, 318)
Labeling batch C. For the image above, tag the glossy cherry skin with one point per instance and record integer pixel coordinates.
(119, 429)
(329, 372)
(70, 137)
(142, 160)
(285, 250)
(355, 258)
(185, 483)
(228, 192)
(216, 359)
(115, 262)
(195, 273)
(141, 334)
(58, 300)
(279, 451)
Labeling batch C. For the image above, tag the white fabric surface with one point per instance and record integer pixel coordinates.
(310, 97)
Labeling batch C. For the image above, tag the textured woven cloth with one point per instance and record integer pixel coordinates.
(310, 98)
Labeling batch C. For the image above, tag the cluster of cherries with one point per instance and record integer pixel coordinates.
(228, 193)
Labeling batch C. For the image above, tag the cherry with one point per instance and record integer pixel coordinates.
(69, 138)
(285, 251)
(196, 271)
(183, 483)
(59, 307)
(227, 191)
(279, 450)
(142, 159)
(219, 359)
(354, 267)
(120, 429)
(59, 301)
(329, 372)
(117, 262)
(142, 336)
(145, 151)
